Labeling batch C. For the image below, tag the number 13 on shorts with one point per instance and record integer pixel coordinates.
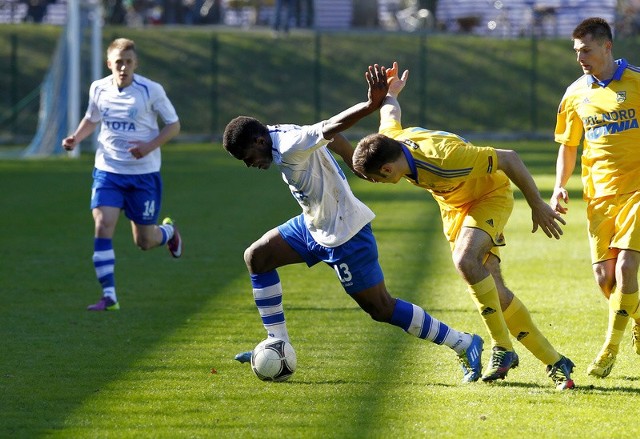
(343, 272)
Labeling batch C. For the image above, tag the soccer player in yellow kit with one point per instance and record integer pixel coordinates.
(602, 107)
(472, 187)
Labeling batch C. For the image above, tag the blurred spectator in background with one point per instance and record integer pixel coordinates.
(36, 10)
(304, 13)
(210, 12)
(180, 11)
(365, 13)
(114, 12)
(430, 5)
(136, 11)
(628, 17)
(278, 24)
(406, 15)
(171, 11)
(411, 17)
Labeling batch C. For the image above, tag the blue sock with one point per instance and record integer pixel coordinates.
(267, 293)
(104, 260)
(167, 233)
(416, 321)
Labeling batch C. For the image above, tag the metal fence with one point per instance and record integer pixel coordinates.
(463, 84)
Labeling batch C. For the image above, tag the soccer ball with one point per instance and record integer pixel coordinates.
(273, 359)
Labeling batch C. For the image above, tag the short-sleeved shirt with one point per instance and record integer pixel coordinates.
(331, 211)
(605, 114)
(126, 115)
(455, 171)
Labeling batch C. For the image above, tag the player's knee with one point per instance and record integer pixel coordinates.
(248, 257)
(103, 229)
(626, 268)
(253, 260)
(381, 311)
(464, 264)
(604, 278)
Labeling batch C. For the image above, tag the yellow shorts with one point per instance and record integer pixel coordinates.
(614, 225)
(489, 213)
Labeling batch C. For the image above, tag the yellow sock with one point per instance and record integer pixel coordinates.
(526, 332)
(485, 296)
(621, 306)
(633, 309)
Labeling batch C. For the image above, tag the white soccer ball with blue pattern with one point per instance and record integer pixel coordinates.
(273, 359)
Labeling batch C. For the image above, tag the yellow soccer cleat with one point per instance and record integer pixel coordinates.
(635, 337)
(601, 366)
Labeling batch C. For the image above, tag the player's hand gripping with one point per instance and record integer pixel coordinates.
(559, 194)
(140, 148)
(68, 143)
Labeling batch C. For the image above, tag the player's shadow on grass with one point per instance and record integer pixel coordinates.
(584, 388)
(616, 389)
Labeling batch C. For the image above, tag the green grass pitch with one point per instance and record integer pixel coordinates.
(162, 367)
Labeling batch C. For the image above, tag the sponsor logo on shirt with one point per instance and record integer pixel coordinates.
(120, 125)
(599, 125)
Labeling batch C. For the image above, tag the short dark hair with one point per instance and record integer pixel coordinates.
(374, 151)
(240, 133)
(597, 27)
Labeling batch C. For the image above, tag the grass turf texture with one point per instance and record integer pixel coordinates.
(163, 366)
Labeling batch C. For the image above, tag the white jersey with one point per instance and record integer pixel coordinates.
(126, 115)
(332, 213)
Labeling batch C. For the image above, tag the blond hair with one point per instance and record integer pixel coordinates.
(121, 44)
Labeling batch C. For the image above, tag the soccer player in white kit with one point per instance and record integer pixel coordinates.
(334, 226)
(127, 162)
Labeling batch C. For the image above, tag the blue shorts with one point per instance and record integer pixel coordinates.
(139, 195)
(355, 262)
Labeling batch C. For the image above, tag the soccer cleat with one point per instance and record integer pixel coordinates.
(104, 304)
(470, 360)
(560, 373)
(601, 366)
(635, 337)
(243, 357)
(175, 243)
(500, 363)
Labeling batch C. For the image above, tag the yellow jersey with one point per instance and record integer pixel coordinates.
(605, 114)
(455, 171)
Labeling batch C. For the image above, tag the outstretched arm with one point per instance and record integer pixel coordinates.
(377, 80)
(542, 214)
(391, 107)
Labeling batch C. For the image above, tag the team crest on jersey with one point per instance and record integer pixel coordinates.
(621, 96)
(411, 144)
